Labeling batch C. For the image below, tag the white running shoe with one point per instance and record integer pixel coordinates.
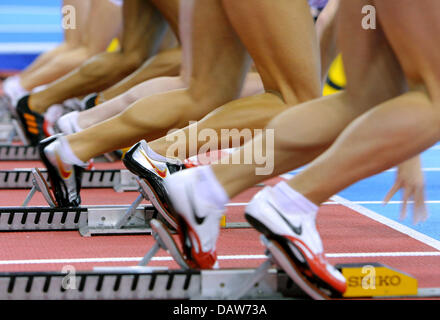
(198, 219)
(68, 124)
(298, 237)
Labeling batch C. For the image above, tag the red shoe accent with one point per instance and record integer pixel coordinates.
(91, 165)
(318, 266)
(47, 128)
(190, 164)
(201, 260)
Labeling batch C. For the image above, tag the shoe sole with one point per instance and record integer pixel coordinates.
(294, 267)
(286, 263)
(164, 234)
(153, 196)
(155, 201)
(53, 176)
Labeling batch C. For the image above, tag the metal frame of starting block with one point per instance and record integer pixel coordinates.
(226, 284)
(12, 131)
(143, 282)
(89, 220)
(119, 180)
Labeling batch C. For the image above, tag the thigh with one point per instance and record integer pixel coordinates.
(170, 10)
(219, 62)
(412, 29)
(281, 38)
(103, 24)
(371, 67)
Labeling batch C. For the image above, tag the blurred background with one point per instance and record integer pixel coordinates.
(27, 28)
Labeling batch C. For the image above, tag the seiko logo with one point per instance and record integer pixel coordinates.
(372, 282)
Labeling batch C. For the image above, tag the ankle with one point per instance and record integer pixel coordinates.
(35, 105)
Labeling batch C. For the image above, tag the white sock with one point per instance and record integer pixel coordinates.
(13, 89)
(67, 154)
(74, 121)
(154, 155)
(73, 104)
(291, 201)
(208, 187)
(53, 113)
(158, 157)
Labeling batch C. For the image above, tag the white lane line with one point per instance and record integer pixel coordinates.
(30, 10)
(117, 259)
(30, 28)
(242, 204)
(384, 254)
(225, 257)
(388, 222)
(28, 47)
(393, 202)
(292, 173)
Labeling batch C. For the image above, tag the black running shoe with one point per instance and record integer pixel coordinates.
(31, 122)
(153, 172)
(90, 101)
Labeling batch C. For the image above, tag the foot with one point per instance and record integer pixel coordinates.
(90, 101)
(298, 237)
(31, 122)
(68, 123)
(65, 178)
(153, 171)
(198, 219)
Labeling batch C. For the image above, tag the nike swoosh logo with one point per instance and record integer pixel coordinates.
(161, 173)
(191, 202)
(65, 174)
(295, 229)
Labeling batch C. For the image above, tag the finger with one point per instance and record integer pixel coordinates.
(406, 195)
(420, 210)
(392, 191)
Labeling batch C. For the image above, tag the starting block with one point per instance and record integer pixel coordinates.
(10, 152)
(369, 280)
(365, 280)
(89, 220)
(119, 180)
(40, 184)
(164, 241)
(239, 287)
(12, 131)
(142, 282)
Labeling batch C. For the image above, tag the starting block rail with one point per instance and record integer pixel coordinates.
(120, 180)
(18, 153)
(90, 220)
(141, 283)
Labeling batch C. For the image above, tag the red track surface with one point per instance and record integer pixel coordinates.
(343, 231)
